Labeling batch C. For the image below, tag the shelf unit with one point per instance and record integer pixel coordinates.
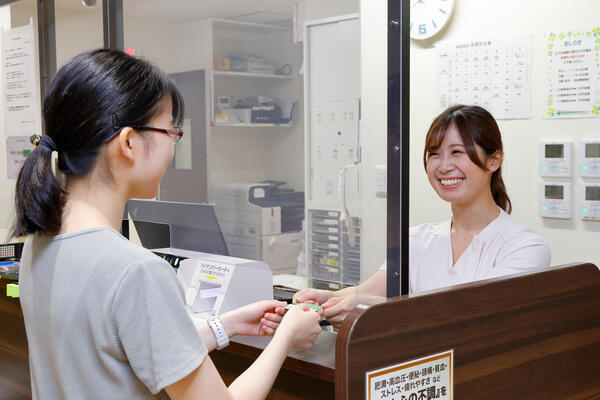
(242, 151)
(272, 42)
(334, 260)
(222, 38)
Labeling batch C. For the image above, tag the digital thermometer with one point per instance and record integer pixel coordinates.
(589, 201)
(589, 158)
(555, 200)
(555, 159)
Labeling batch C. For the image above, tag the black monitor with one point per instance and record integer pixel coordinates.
(187, 226)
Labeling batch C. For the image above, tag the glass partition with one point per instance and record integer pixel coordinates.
(23, 96)
(274, 98)
(537, 75)
(78, 28)
(281, 132)
(296, 152)
(238, 68)
(274, 103)
(286, 123)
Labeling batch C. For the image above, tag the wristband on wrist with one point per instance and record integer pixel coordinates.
(220, 334)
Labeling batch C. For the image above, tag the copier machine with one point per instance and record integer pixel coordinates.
(261, 221)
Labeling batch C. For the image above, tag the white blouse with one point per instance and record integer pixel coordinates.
(503, 247)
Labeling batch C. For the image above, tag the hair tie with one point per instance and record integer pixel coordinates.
(44, 141)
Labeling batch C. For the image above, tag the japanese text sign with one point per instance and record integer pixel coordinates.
(423, 379)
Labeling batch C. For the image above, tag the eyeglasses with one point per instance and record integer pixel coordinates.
(176, 133)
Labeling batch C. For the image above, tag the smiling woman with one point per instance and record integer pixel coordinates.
(463, 159)
(466, 139)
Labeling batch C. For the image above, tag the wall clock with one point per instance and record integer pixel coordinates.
(428, 17)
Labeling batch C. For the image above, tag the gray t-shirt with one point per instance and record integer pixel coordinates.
(105, 318)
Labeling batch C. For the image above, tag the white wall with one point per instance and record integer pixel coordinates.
(317, 9)
(21, 11)
(77, 32)
(569, 241)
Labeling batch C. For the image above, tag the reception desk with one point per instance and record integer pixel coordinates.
(306, 374)
(535, 336)
(14, 361)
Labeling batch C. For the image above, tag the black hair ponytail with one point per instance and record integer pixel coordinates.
(88, 94)
(41, 197)
(499, 191)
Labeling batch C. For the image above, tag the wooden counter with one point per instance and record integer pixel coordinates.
(305, 374)
(534, 336)
(14, 358)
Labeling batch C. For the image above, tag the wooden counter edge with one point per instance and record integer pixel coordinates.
(293, 364)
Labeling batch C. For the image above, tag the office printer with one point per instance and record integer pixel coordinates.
(214, 284)
(262, 221)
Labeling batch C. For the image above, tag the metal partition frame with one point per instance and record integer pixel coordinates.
(398, 147)
(112, 21)
(398, 116)
(47, 44)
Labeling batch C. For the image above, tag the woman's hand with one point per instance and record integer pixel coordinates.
(336, 308)
(247, 320)
(271, 320)
(300, 326)
(310, 295)
(315, 296)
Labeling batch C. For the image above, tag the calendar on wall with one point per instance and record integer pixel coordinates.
(493, 73)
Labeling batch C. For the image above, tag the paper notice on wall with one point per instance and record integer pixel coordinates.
(494, 73)
(18, 149)
(19, 81)
(573, 74)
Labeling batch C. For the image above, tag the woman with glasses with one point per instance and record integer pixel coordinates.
(106, 318)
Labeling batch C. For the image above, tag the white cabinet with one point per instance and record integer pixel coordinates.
(332, 145)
